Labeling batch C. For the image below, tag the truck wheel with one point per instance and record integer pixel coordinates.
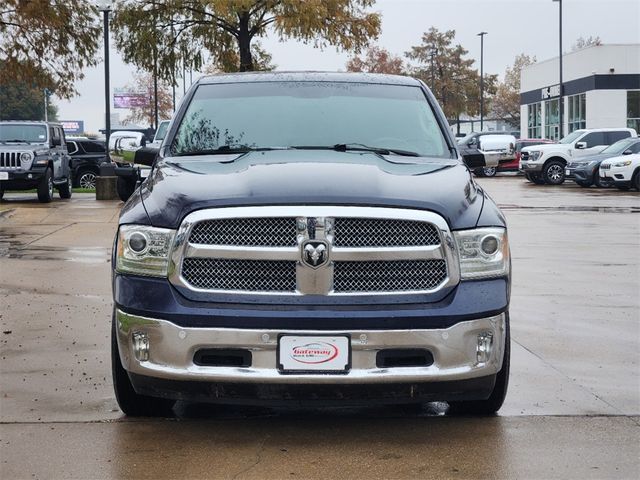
(553, 173)
(478, 172)
(492, 404)
(45, 187)
(635, 181)
(65, 190)
(86, 179)
(125, 187)
(489, 171)
(130, 402)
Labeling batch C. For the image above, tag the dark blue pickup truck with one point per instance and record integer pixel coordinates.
(310, 238)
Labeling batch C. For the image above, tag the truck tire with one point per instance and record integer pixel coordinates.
(86, 178)
(635, 181)
(478, 172)
(125, 186)
(489, 171)
(492, 404)
(553, 172)
(130, 402)
(45, 187)
(66, 190)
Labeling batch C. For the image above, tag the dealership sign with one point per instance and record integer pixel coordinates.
(72, 126)
(124, 98)
(550, 92)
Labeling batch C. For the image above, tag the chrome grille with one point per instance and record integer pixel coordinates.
(383, 232)
(266, 249)
(10, 160)
(605, 166)
(389, 276)
(249, 232)
(244, 275)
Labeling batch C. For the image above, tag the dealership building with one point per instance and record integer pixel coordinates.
(601, 89)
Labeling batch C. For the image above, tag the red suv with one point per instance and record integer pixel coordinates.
(512, 165)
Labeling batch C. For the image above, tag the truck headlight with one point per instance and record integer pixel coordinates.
(144, 250)
(625, 163)
(483, 252)
(533, 156)
(26, 157)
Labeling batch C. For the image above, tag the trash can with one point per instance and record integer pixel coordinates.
(106, 182)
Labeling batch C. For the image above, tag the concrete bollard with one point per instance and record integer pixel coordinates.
(106, 183)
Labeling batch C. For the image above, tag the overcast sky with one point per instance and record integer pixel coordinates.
(513, 26)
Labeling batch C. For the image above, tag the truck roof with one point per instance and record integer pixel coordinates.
(32, 122)
(348, 77)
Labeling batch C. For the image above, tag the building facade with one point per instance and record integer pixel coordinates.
(601, 89)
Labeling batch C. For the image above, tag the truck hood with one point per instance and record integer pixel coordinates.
(550, 147)
(180, 185)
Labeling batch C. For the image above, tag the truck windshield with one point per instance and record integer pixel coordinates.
(222, 117)
(16, 132)
(572, 136)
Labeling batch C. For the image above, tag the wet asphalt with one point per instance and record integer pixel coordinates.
(573, 408)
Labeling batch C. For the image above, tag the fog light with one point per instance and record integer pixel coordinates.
(483, 348)
(140, 346)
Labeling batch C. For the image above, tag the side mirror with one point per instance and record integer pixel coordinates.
(146, 156)
(581, 145)
(627, 152)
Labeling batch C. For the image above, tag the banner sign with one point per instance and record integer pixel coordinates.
(123, 98)
(72, 126)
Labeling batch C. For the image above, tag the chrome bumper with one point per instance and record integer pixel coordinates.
(172, 348)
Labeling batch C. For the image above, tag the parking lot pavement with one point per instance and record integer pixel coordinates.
(573, 408)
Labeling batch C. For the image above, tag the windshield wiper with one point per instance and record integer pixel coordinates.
(226, 149)
(15, 141)
(357, 147)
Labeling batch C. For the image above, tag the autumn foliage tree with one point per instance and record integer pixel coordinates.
(451, 77)
(47, 43)
(182, 31)
(376, 60)
(143, 82)
(506, 103)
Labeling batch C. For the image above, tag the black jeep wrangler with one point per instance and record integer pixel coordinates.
(34, 155)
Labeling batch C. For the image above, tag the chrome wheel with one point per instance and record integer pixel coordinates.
(88, 180)
(489, 171)
(555, 172)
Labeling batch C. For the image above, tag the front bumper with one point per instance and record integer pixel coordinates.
(172, 349)
(579, 174)
(23, 179)
(620, 175)
(530, 167)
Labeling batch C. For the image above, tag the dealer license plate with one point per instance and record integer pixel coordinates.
(320, 353)
(4, 175)
(567, 172)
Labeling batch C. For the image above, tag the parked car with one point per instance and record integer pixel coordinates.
(86, 157)
(503, 145)
(585, 171)
(274, 262)
(546, 163)
(34, 155)
(623, 171)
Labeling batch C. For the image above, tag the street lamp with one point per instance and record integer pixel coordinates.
(481, 35)
(561, 99)
(105, 7)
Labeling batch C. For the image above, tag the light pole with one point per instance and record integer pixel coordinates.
(105, 7)
(432, 55)
(561, 99)
(46, 105)
(481, 35)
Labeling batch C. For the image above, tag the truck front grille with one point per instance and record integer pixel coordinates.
(244, 275)
(389, 276)
(10, 160)
(524, 156)
(249, 232)
(313, 250)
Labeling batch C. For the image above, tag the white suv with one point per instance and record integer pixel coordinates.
(545, 163)
(623, 170)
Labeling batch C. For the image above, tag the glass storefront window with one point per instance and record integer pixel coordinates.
(552, 119)
(633, 109)
(534, 122)
(577, 112)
